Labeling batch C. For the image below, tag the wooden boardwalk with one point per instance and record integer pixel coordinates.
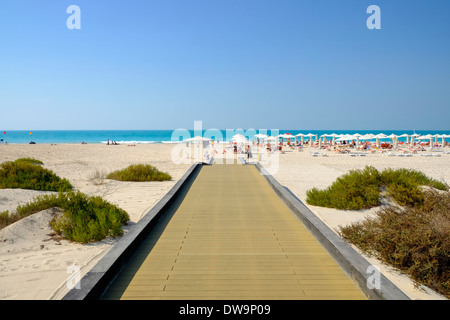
(231, 237)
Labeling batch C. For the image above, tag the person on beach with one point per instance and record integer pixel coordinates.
(249, 152)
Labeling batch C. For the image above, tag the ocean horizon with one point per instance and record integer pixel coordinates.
(170, 136)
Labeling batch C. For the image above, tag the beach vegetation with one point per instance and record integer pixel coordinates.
(140, 173)
(84, 219)
(413, 239)
(98, 177)
(6, 219)
(362, 189)
(357, 189)
(403, 185)
(30, 160)
(28, 173)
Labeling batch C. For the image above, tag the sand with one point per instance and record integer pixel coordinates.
(35, 266)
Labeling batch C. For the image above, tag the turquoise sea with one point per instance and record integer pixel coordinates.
(167, 136)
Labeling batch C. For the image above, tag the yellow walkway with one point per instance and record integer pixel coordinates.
(232, 238)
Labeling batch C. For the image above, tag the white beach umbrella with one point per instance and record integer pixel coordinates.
(415, 135)
(197, 139)
(334, 136)
(436, 136)
(285, 136)
(357, 137)
(238, 137)
(269, 139)
(380, 136)
(299, 135)
(346, 137)
(445, 136)
(325, 135)
(261, 136)
(404, 136)
(310, 135)
(363, 137)
(442, 136)
(394, 140)
(368, 136)
(393, 137)
(427, 137)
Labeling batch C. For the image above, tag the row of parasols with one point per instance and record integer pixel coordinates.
(239, 138)
(410, 138)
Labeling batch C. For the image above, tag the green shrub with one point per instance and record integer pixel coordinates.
(40, 203)
(412, 177)
(26, 173)
(414, 240)
(403, 185)
(360, 189)
(6, 219)
(355, 190)
(140, 173)
(85, 219)
(30, 160)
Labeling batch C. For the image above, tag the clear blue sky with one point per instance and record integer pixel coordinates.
(263, 64)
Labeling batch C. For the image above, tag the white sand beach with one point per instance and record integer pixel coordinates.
(34, 266)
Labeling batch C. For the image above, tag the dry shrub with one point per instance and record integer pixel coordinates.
(415, 240)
